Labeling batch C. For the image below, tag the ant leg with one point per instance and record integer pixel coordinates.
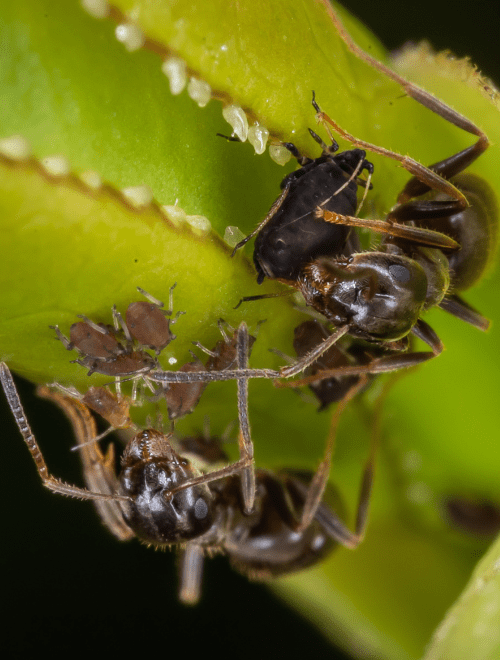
(380, 365)
(415, 234)
(446, 167)
(272, 211)
(262, 296)
(48, 480)
(463, 311)
(318, 484)
(324, 515)
(190, 573)
(98, 469)
(244, 437)
(314, 354)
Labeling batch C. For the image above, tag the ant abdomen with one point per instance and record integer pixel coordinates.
(475, 228)
(267, 543)
(151, 469)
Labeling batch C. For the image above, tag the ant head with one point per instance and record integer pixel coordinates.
(150, 470)
(379, 295)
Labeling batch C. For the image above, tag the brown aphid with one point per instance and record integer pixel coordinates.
(331, 390)
(114, 409)
(136, 363)
(224, 355)
(477, 517)
(93, 340)
(182, 398)
(147, 322)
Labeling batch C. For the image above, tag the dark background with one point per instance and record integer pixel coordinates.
(69, 585)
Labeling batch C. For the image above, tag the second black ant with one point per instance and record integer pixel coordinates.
(432, 248)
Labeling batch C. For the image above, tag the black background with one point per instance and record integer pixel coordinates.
(69, 586)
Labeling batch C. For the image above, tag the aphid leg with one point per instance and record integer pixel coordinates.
(272, 211)
(190, 573)
(424, 175)
(120, 325)
(48, 481)
(318, 484)
(62, 338)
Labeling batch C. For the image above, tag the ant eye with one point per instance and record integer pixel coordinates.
(200, 509)
(400, 273)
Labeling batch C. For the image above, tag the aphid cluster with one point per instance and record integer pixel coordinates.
(184, 492)
(118, 350)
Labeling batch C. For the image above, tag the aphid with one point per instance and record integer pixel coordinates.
(160, 497)
(116, 350)
(311, 334)
(94, 341)
(477, 517)
(111, 407)
(290, 234)
(182, 398)
(147, 322)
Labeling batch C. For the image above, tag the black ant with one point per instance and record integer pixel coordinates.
(378, 296)
(160, 497)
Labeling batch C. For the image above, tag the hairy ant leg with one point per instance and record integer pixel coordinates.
(86, 431)
(424, 179)
(98, 468)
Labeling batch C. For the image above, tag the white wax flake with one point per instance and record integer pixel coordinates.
(175, 214)
(279, 154)
(15, 147)
(56, 165)
(412, 461)
(138, 196)
(258, 136)
(172, 360)
(96, 8)
(91, 178)
(237, 119)
(233, 235)
(419, 493)
(130, 36)
(199, 91)
(199, 224)
(175, 70)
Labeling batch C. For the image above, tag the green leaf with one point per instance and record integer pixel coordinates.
(70, 88)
